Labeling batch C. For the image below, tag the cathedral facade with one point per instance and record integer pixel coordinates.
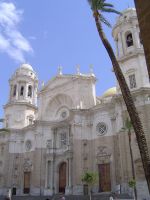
(46, 147)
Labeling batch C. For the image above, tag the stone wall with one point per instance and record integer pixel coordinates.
(143, 12)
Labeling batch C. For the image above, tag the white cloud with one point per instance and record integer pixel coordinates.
(4, 43)
(12, 41)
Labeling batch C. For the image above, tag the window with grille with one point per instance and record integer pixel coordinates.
(132, 81)
(101, 128)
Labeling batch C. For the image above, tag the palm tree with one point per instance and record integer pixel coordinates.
(128, 127)
(98, 7)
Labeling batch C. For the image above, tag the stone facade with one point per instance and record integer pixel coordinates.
(143, 12)
(45, 150)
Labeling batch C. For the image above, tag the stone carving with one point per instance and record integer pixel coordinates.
(103, 151)
(27, 166)
(49, 144)
(28, 145)
(103, 154)
(113, 116)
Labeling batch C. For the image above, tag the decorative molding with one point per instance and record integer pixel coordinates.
(27, 166)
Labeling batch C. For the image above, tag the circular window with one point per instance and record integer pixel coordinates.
(64, 114)
(101, 128)
(28, 145)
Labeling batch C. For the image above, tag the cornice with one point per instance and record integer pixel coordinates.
(21, 76)
(120, 23)
(68, 78)
(53, 124)
(20, 103)
(131, 55)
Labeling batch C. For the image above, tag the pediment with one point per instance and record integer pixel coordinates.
(57, 82)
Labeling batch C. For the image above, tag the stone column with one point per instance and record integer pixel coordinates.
(53, 161)
(25, 91)
(11, 92)
(48, 174)
(69, 176)
(136, 37)
(120, 45)
(70, 172)
(17, 91)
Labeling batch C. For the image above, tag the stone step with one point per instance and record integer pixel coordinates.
(103, 196)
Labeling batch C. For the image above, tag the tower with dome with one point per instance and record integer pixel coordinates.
(21, 109)
(46, 148)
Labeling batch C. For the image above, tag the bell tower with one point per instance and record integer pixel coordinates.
(130, 53)
(20, 111)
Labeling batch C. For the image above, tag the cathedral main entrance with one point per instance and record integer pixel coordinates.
(62, 177)
(26, 182)
(104, 177)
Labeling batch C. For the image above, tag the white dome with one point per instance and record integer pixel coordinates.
(26, 66)
(25, 70)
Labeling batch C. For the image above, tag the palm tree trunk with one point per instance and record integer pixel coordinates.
(132, 163)
(135, 120)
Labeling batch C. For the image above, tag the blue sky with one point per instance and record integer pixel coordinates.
(49, 33)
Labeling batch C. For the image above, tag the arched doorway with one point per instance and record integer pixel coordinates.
(62, 177)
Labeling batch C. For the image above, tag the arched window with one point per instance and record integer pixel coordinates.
(21, 90)
(129, 40)
(14, 90)
(29, 91)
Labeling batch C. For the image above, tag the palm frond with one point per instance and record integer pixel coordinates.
(102, 6)
(110, 10)
(104, 20)
(96, 4)
(108, 5)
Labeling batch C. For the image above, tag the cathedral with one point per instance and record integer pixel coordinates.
(51, 136)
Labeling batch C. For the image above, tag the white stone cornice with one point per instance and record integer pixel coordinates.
(53, 124)
(69, 78)
(21, 103)
(131, 55)
(140, 91)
